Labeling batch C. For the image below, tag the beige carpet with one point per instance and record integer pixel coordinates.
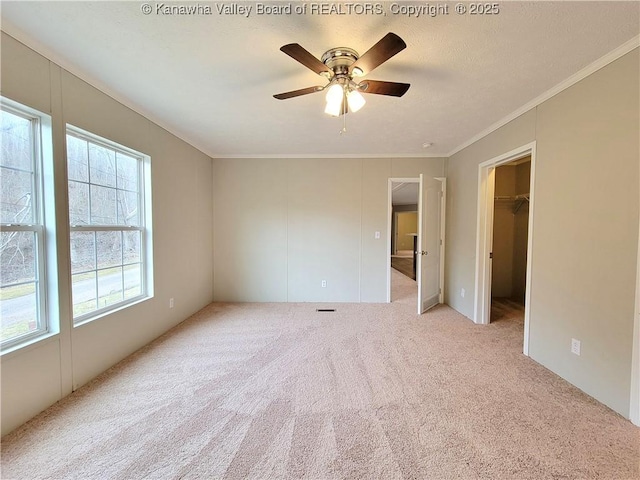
(370, 391)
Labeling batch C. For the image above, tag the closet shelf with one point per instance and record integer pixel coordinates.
(517, 200)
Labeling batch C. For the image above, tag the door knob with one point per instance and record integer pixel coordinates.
(421, 253)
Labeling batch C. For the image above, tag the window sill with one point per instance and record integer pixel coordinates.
(28, 345)
(106, 313)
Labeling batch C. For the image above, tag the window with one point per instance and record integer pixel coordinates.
(23, 310)
(107, 222)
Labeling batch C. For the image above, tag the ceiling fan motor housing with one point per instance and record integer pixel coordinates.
(340, 59)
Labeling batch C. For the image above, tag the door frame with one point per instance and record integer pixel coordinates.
(443, 230)
(634, 400)
(390, 183)
(484, 236)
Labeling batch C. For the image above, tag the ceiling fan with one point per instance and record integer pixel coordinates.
(342, 67)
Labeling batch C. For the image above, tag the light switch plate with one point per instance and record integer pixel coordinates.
(575, 346)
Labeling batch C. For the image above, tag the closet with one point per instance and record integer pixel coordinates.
(510, 232)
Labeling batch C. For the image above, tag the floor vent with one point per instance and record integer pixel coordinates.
(325, 309)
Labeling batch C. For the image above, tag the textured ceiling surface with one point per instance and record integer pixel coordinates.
(209, 77)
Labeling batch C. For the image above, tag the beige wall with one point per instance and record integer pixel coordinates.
(283, 226)
(585, 227)
(37, 376)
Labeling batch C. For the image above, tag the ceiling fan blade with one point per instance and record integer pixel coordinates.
(378, 87)
(379, 53)
(298, 53)
(297, 93)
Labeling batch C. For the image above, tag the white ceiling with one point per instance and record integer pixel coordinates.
(210, 78)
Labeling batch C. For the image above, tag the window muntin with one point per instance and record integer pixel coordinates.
(107, 222)
(22, 254)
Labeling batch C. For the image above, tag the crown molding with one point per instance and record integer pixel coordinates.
(328, 156)
(572, 80)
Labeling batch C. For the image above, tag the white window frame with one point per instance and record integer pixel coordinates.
(41, 143)
(144, 209)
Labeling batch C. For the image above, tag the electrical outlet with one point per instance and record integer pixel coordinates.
(462, 292)
(324, 284)
(575, 346)
(171, 302)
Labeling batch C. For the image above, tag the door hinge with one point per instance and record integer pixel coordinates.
(490, 254)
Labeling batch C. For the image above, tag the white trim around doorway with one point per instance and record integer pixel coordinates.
(486, 184)
(634, 401)
(443, 230)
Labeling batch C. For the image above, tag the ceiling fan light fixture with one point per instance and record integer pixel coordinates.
(355, 100)
(335, 93)
(335, 96)
(333, 109)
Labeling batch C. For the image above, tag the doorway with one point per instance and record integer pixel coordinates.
(404, 198)
(405, 228)
(405, 232)
(428, 239)
(505, 206)
(509, 246)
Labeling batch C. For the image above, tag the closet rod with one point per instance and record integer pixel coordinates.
(523, 196)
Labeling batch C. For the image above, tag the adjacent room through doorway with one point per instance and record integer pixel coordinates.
(404, 234)
(405, 228)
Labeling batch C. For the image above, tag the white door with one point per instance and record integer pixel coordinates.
(429, 243)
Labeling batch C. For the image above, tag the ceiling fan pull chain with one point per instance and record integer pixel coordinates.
(344, 113)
